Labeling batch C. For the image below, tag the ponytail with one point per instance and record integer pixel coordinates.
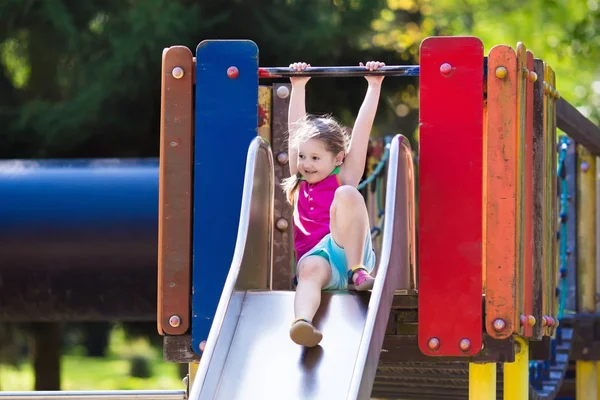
(290, 185)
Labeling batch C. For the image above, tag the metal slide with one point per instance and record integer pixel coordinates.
(249, 354)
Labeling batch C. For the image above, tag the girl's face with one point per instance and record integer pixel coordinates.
(315, 162)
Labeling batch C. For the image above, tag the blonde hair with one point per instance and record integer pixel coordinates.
(324, 128)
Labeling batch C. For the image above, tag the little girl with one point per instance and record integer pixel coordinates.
(332, 238)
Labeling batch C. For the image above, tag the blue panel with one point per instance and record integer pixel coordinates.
(226, 122)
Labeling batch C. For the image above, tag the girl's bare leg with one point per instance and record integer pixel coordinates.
(349, 225)
(314, 273)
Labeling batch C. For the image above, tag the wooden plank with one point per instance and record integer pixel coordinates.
(528, 200)
(577, 126)
(283, 235)
(175, 193)
(264, 112)
(521, 319)
(554, 201)
(538, 176)
(451, 214)
(501, 191)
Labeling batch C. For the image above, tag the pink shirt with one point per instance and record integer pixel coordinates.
(311, 217)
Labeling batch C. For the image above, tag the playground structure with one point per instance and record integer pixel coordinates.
(503, 303)
(487, 229)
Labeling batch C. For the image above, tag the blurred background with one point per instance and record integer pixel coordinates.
(81, 79)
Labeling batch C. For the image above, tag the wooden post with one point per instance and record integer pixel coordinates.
(283, 245)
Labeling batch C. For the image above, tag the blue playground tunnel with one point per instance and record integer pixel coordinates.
(78, 239)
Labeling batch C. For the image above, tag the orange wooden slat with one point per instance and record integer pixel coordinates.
(175, 192)
(501, 191)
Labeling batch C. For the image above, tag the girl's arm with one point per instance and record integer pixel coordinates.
(296, 111)
(354, 163)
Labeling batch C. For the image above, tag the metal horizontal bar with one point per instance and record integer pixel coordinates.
(340, 72)
(577, 126)
(97, 395)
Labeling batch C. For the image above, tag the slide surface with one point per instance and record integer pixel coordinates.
(249, 354)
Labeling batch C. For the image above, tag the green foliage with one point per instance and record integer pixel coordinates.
(82, 79)
(564, 34)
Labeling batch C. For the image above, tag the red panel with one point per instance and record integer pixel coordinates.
(451, 194)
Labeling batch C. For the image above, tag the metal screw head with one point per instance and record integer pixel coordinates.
(523, 320)
(283, 92)
(532, 76)
(282, 224)
(465, 344)
(585, 166)
(445, 68)
(233, 72)
(501, 72)
(433, 343)
(175, 321)
(177, 72)
(282, 158)
(499, 325)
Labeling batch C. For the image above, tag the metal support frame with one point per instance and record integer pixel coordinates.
(96, 395)
(339, 72)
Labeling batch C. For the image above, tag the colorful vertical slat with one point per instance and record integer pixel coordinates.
(175, 197)
(521, 151)
(501, 191)
(529, 75)
(555, 200)
(548, 203)
(451, 196)
(226, 118)
(539, 236)
(283, 246)
(264, 112)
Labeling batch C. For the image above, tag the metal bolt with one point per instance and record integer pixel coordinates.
(233, 72)
(282, 158)
(585, 166)
(283, 92)
(282, 224)
(465, 344)
(532, 76)
(433, 343)
(501, 72)
(175, 321)
(177, 72)
(173, 144)
(499, 325)
(445, 68)
(523, 320)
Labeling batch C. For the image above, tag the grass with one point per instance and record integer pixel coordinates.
(79, 372)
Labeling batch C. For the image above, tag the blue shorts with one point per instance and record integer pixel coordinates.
(329, 249)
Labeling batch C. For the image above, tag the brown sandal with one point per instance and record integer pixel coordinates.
(304, 333)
